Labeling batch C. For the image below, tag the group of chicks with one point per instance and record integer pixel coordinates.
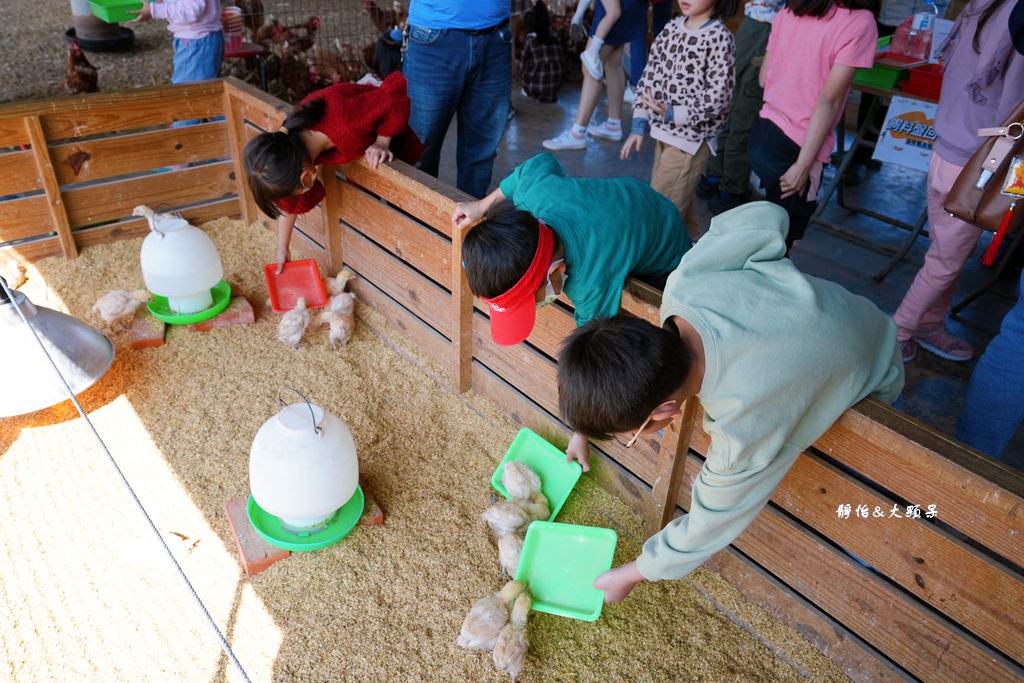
(339, 314)
(489, 626)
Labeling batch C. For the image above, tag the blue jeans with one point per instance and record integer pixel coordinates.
(994, 407)
(197, 59)
(449, 72)
(661, 12)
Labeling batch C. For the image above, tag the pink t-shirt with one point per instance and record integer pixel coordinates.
(803, 51)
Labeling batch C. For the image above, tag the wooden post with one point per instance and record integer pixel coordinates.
(332, 217)
(462, 318)
(668, 476)
(49, 179)
(236, 143)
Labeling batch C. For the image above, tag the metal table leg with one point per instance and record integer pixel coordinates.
(898, 256)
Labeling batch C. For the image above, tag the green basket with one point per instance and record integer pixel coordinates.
(114, 11)
(880, 75)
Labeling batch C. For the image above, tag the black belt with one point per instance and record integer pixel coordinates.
(482, 31)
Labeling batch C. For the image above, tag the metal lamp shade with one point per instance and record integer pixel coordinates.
(81, 354)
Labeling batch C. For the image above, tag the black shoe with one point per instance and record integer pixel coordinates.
(726, 201)
(707, 188)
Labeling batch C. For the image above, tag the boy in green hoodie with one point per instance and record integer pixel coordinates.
(775, 357)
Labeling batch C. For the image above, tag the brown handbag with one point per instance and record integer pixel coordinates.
(978, 196)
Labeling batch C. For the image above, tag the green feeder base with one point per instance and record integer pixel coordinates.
(273, 531)
(161, 311)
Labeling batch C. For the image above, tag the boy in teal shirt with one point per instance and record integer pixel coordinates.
(583, 236)
(775, 357)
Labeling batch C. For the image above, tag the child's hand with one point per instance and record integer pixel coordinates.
(578, 450)
(794, 180)
(376, 153)
(656, 106)
(282, 258)
(617, 583)
(467, 213)
(141, 15)
(632, 142)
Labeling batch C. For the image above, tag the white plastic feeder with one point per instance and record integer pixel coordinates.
(179, 262)
(303, 466)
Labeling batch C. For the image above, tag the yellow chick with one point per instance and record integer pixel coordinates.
(293, 324)
(14, 273)
(511, 646)
(536, 507)
(510, 547)
(483, 623)
(117, 308)
(340, 314)
(505, 517)
(336, 285)
(519, 480)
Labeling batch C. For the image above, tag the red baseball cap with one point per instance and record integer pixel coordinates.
(513, 312)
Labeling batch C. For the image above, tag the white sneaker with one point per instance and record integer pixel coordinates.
(629, 96)
(601, 130)
(593, 65)
(566, 140)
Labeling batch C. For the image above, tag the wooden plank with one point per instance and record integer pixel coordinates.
(105, 112)
(33, 250)
(973, 493)
(313, 225)
(12, 132)
(263, 109)
(415, 192)
(138, 227)
(25, 217)
(236, 139)
(18, 173)
(332, 219)
(462, 319)
(138, 152)
(54, 200)
(671, 464)
(855, 658)
(116, 199)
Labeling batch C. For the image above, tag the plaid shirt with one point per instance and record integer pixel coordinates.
(541, 69)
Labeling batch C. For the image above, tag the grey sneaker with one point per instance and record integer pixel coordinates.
(601, 130)
(565, 140)
(593, 65)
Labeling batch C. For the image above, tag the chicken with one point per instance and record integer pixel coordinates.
(505, 517)
(340, 314)
(117, 308)
(519, 480)
(302, 36)
(293, 324)
(511, 646)
(384, 20)
(270, 30)
(336, 285)
(510, 547)
(534, 508)
(79, 75)
(14, 273)
(483, 623)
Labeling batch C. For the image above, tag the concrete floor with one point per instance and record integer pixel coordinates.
(935, 387)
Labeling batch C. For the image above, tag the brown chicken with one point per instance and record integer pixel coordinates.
(79, 75)
(302, 36)
(383, 19)
(252, 14)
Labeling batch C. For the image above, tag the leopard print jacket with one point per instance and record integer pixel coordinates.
(694, 71)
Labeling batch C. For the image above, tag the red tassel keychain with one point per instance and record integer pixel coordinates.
(989, 256)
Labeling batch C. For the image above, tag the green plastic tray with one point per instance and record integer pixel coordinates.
(559, 563)
(557, 477)
(161, 311)
(880, 75)
(273, 532)
(114, 11)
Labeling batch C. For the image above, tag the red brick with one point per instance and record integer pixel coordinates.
(238, 312)
(255, 553)
(146, 332)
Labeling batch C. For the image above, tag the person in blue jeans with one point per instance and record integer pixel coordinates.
(994, 407)
(458, 60)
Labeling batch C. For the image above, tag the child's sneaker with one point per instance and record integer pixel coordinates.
(592, 63)
(944, 345)
(629, 97)
(908, 349)
(565, 140)
(602, 130)
(707, 188)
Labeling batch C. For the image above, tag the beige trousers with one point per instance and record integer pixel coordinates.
(675, 175)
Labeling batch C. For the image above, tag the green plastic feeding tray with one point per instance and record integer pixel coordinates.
(273, 532)
(557, 477)
(114, 11)
(161, 311)
(559, 563)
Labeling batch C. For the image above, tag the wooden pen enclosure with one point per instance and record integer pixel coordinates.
(886, 598)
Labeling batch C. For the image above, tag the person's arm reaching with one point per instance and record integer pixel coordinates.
(178, 11)
(468, 213)
(285, 223)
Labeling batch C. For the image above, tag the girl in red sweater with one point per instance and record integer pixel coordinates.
(335, 125)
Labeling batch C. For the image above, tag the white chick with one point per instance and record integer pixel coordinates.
(519, 480)
(511, 646)
(14, 273)
(340, 314)
(117, 308)
(510, 547)
(505, 517)
(143, 210)
(535, 508)
(293, 324)
(483, 623)
(336, 285)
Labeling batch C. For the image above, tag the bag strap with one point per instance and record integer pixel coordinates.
(1007, 137)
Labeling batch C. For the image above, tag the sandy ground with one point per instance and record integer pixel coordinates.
(87, 594)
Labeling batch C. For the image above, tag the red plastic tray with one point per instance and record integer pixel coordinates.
(299, 278)
(924, 81)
